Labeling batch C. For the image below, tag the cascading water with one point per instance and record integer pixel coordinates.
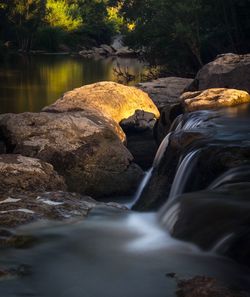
(183, 173)
(141, 187)
(123, 253)
(238, 174)
(160, 152)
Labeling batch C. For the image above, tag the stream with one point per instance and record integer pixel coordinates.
(127, 253)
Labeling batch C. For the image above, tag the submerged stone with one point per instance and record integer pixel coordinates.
(31, 206)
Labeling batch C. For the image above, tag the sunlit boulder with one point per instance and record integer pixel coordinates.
(110, 99)
(214, 98)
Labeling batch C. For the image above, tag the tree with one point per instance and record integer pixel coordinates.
(25, 16)
(63, 14)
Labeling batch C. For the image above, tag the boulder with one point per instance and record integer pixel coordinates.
(140, 121)
(140, 138)
(165, 91)
(19, 173)
(81, 147)
(226, 71)
(111, 100)
(216, 220)
(168, 114)
(214, 99)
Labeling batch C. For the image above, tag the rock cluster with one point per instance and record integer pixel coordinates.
(226, 71)
(76, 144)
(107, 51)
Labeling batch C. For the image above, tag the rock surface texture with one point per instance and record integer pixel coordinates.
(109, 99)
(19, 173)
(214, 98)
(165, 91)
(82, 148)
(226, 71)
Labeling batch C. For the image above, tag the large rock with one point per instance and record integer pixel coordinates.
(81, 147)
(19, 173)
(216, 220)
(213, 99)
(165, 91)
(140, 138)
(226, 71)
(111, 100)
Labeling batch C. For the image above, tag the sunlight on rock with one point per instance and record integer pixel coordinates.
(214, 98)
(112, 100)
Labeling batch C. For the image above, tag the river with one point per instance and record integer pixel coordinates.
(28, 83)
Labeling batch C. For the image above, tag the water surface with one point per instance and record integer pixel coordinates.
(28, 83)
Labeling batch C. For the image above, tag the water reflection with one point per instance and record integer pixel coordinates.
(28, 83)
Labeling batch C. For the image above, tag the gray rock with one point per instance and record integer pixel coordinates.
(226, 71)
(165, 91)
(81, 147)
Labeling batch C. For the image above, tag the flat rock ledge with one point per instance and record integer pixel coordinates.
(165, 91)
(214, 98)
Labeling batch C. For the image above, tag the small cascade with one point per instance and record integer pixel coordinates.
(148, 174)
(193, 120)
(238, 174)
(141, 187)
(222, 243)
(169, 215)
(182, 175)
(161, 150)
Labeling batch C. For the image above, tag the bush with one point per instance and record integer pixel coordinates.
(49, 38)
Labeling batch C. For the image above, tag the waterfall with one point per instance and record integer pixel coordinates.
(241, 173)
(141, 187)
(161, 150)
(169, 215)
(221, 243)
(183, 173)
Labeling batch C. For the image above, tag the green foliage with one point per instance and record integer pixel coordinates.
(186, 33)
(62, 14)
(47, 23)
